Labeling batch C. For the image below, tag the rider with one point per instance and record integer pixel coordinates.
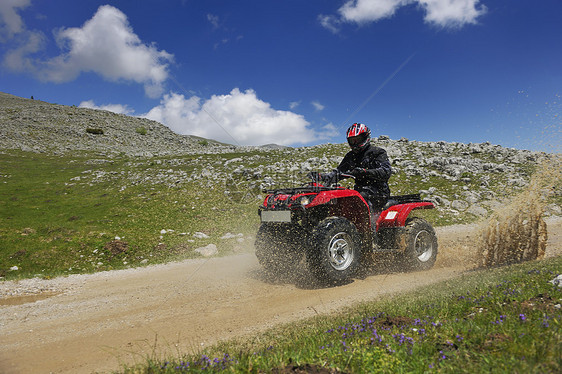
(368, 164)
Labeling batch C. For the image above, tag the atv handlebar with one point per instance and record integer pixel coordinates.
(345, 175)
(331, 180)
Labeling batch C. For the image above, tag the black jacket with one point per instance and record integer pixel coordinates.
(377, 166)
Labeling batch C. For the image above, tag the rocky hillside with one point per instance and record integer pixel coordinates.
(37, 126)
(460, 178)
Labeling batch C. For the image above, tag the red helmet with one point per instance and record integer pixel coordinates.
(358, 136)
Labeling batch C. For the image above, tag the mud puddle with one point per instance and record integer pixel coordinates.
(25, 299)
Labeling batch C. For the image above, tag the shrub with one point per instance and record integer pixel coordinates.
(94, 131)
(141, 130)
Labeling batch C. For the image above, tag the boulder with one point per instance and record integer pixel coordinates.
(459, 205)
(208, 251)
(477, 211)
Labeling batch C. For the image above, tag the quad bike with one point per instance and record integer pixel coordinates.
(338, 232)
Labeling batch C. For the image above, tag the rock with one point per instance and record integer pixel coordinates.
(28, 231)
(229, 235)
(201, 235)
(557, 281)
(394, 153)
(442, 201)
(492, 204)
(237, 159)
(459, 205)
(116, 247)
(518, 182)
(207, 251)
(477, 211)
(470, 196)
(554, 209)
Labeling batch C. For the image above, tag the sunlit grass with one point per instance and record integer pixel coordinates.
(57, 219)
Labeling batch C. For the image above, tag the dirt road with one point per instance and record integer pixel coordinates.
(89, 323)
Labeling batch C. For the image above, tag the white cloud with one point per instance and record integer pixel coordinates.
(236, 118)
(329, 131)
(443, 13)
(105, 44)
(330, 22)
(317, 106)
(115, 108)
(452, 13)
(10, 21)
(20, 42)
(360, 11)
(214, 20)
(294, 104)
(18, 58)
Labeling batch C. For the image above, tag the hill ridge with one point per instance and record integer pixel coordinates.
(38, 126)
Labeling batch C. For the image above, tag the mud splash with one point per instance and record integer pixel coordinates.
(517, 232)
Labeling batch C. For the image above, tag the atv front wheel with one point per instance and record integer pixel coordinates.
(334, 254)
(421, 245)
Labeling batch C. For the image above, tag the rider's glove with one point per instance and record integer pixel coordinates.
(314, 175)
(358, 172)
(326, 178)
(331, 177)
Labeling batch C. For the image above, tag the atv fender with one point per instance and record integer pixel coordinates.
(396, 215)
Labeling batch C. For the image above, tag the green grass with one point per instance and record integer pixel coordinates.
(502, 320)
(54, 224)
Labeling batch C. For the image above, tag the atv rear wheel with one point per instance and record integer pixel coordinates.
(421, 245)
(334, 254)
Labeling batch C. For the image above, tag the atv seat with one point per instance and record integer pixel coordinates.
(402, 199)
(389, 203)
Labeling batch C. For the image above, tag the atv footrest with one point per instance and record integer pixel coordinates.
(390, 239)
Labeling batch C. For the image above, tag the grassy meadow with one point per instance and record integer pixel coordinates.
(55, 223)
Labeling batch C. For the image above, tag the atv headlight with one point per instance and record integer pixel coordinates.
(304, 200)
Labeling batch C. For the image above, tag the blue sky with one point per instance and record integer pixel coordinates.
(298, 72)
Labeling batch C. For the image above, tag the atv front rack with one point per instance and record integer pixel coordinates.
(299, 190)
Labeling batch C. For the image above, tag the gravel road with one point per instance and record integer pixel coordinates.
(96, 322)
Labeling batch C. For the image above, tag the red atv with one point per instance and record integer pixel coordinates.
(338, 233)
